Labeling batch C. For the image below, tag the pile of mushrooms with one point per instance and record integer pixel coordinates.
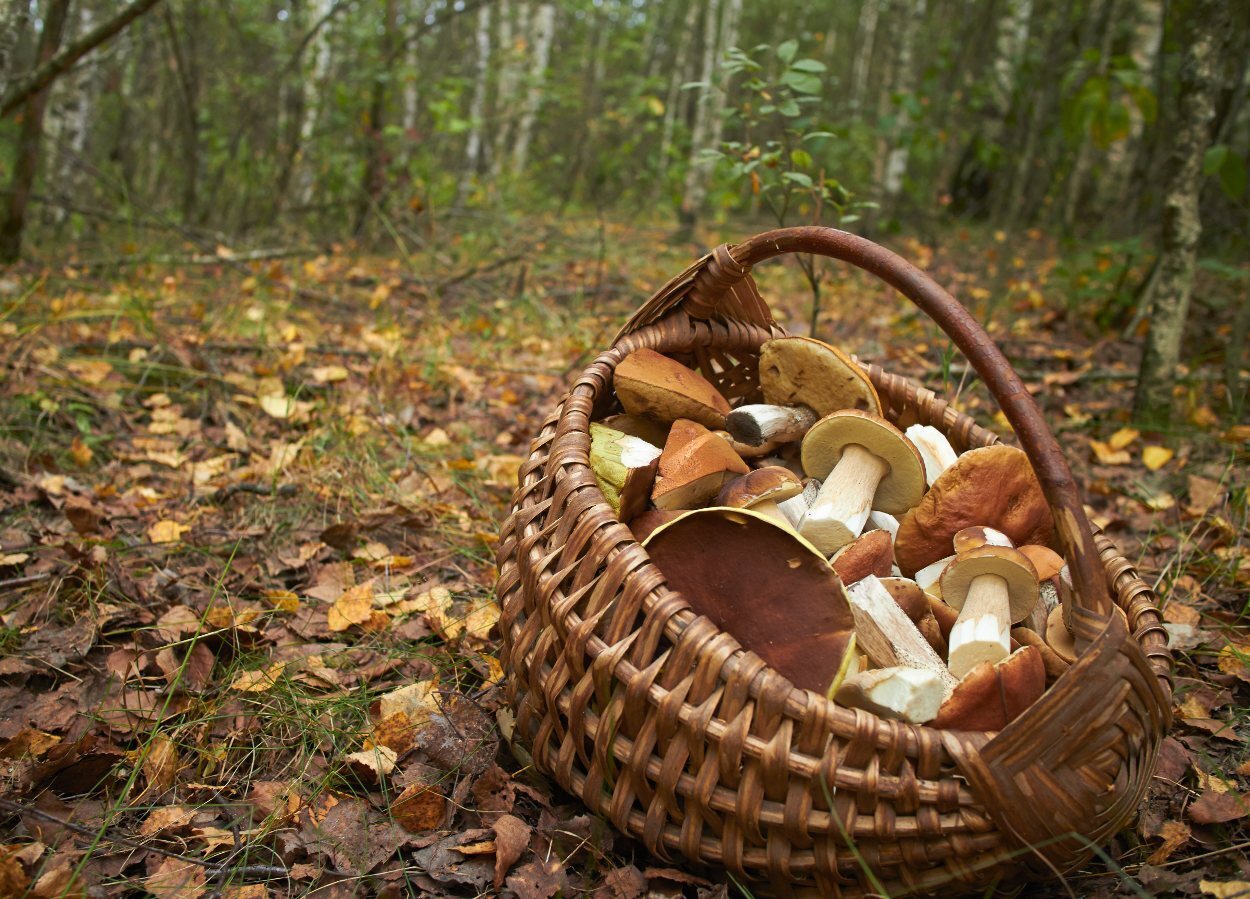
(875, 565)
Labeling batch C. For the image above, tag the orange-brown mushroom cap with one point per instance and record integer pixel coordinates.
(993, 486)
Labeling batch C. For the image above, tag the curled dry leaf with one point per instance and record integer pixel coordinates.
(419, 808)
(512, 838)
(355, 606)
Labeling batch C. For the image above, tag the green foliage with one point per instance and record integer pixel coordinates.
(1229, 167)
(1100, 103)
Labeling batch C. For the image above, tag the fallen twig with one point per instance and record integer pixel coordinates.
(220, 496)
(23, 581)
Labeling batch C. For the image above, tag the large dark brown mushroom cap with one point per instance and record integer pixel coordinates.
(993, 486)
(765, 585)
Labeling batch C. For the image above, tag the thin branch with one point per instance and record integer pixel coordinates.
(62, 62)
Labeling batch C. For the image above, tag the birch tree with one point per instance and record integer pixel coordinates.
(865, 39)
(1209, 24)
(904, 83)
(694, 188)
(313, 87)
(477, 107)
(541, 36)
(70, 117)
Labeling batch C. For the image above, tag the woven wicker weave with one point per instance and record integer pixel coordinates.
(668, 728)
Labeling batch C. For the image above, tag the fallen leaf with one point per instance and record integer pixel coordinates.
(355, 606)
(160, 766)
(79, 452)
(1123, 438)
(419, 808)
(1175, 835)
(416, 702)
(1225, 889)
(539, 880)
(284, 407)
(167, 531)
(1155, 457)
(166, 819)
(329, 374)
(1106, 454)
(512, 839)
(372, 766)
(176, 879)
(1213, 807)
(259, 680)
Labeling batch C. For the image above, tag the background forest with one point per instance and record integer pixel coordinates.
(287, 286)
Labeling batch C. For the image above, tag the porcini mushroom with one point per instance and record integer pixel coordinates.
(993, 587)
(913, 695)
(801, 379)
(795, 508)
(867, 463)
(657, 387)
(869, 553)
(624, 467)
(917, 606)
(887, 635)
(694, 466)
(762, 583)
(761, 490)
(993, 695)
(978, 536)
(993, 486)
(934, 449)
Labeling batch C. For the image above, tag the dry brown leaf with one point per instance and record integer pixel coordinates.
(176, 879)
(259, 680)
(512, 839)
(1175, 835)
(79, 452)
(419, 808)
(372, 766)
(160, 766)
(166, 819)
(416, 701)
(1214, 807)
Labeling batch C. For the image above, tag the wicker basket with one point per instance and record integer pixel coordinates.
(668, 728)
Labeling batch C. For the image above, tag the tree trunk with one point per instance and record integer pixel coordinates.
(694, 189)
(544, 27)
(728, 38)
(1084, 153)
(904, 81)
(505, 89)
(477, 107)
(866, 34)
(69, 123)
(1209, 24)
(27, 163)
(313, 88)
(14, 15)
(672, 101)
(373, 178)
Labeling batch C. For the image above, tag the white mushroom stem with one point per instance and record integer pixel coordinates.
(759, 423)
(841, 508)
(935, 450)
(883, 521)
(982, 632)
(795, 508)
(887, 635)
(913, 695)
(772, 509)
(930, 577)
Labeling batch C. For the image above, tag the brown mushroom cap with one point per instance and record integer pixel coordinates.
(802, 371)
(869, 553)
(978, 536)
(1047, 562)
(653, 385)
(694, 466)
(771, 482)
(993, 486)
(765, 585)
(910, 598)
(642, 525)
(654, 432)
(1009, 564)
(903, 485)
(991, 696)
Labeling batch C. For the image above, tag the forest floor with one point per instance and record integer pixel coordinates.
(248, 517)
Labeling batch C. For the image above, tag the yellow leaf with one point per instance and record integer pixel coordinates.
(167, 531)
(329, 374)
(283, 407)
(1225, 889)
(260, 680)
(90, 371)
(283, 600)
(479, 621)
(1107, 455)
(355, 606)
(416, 701)
(80, 452)
(1155, 457)
(1122, 438)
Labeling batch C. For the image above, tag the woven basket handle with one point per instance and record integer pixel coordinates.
(730, 264)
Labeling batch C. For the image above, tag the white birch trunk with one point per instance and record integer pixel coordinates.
(411, 95)
(505, 90)
(477, 106)
(672, 101)
(1013, 36)
(313, 87)
(13, 18)
(694, 190)
(728, 38)
(904, 82)
(543, 34)
(69, 121)
(866, 34)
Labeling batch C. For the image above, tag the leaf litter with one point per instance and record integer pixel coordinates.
(248, 641)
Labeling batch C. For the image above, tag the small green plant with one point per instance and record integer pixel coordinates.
(779, 155)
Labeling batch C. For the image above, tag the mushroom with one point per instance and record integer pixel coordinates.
(883, 521)
(913, 695)
(930, 577)
(761, 490)
(978, 536)
(934, 448)
(1062, 640)
(654, 432)
(870, 553)
(624, 467)
(1049, 566)
(992, 587)
(746, 450)
(812, 379)
(867, 463)
(795, 508)
(648, 521)
(993, 486)
(994, 694)
(887, 635)
(1054, 663)
(762, 583)
(657, 387)
(918, 607)
(694, 466)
